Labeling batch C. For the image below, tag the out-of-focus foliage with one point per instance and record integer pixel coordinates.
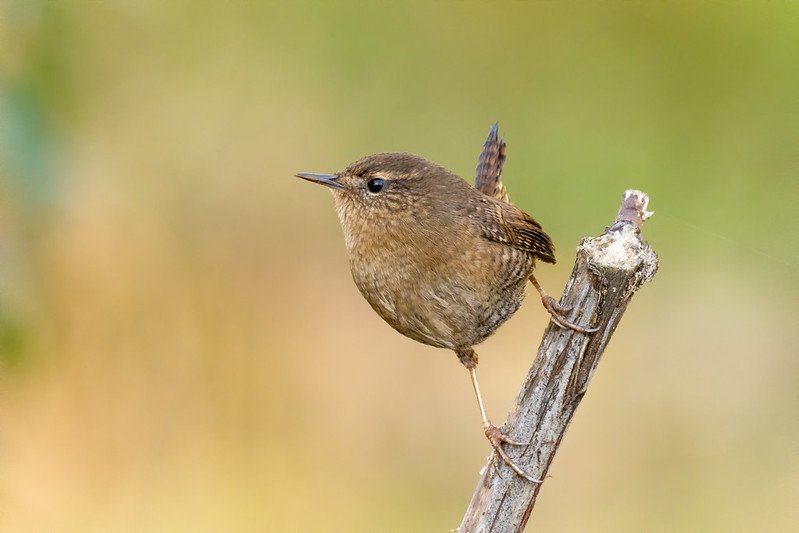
(181, 347)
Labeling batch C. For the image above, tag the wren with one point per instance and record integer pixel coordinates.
(442, 262)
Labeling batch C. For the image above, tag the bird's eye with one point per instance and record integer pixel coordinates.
(375, 185)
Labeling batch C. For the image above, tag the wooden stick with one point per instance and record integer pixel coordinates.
(608, 271)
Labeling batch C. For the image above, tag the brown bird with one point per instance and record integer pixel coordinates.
(442, 262)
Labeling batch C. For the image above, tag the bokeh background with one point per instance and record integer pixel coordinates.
(182, 348)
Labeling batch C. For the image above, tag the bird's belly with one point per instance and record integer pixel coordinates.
(441, 306)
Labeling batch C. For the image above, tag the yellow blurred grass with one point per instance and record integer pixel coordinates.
(197, 358)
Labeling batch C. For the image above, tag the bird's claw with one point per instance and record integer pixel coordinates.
(557, 312)
(496, 438)
(554, 306)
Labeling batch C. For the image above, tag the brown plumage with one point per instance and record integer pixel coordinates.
(442, 262)
(489, 166)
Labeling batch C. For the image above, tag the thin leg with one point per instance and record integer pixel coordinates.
(557, 311)
(495, 436)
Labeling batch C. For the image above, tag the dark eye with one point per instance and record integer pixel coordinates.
(375, 185)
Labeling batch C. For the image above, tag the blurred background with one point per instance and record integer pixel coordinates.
(182, 347)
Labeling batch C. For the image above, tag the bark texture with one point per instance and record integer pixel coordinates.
(607, 272)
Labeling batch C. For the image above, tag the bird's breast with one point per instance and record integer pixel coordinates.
(441, 292)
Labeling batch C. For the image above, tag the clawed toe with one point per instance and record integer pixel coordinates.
(504, 438)
(553, 306)
(557, 311)
(565, 324)
(496, 438)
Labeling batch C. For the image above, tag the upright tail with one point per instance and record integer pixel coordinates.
(489, 166)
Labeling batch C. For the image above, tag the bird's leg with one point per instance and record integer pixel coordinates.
(558, 311)
(495, 436)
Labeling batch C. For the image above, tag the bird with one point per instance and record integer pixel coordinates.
(443, 262)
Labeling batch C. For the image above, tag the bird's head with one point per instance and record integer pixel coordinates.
(389, 192)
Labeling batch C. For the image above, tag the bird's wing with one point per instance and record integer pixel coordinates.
(489, 167)
(505, 224)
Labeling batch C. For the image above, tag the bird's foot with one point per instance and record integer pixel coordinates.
(496, 438)
(558, 312)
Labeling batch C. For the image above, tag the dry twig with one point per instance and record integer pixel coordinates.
(608, 271)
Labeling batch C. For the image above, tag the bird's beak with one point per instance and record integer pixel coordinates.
(329, 180)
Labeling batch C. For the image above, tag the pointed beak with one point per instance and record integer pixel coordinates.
(329, 180)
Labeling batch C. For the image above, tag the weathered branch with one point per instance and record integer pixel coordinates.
(608, 271)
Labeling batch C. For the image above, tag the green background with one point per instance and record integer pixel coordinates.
(182, 348)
